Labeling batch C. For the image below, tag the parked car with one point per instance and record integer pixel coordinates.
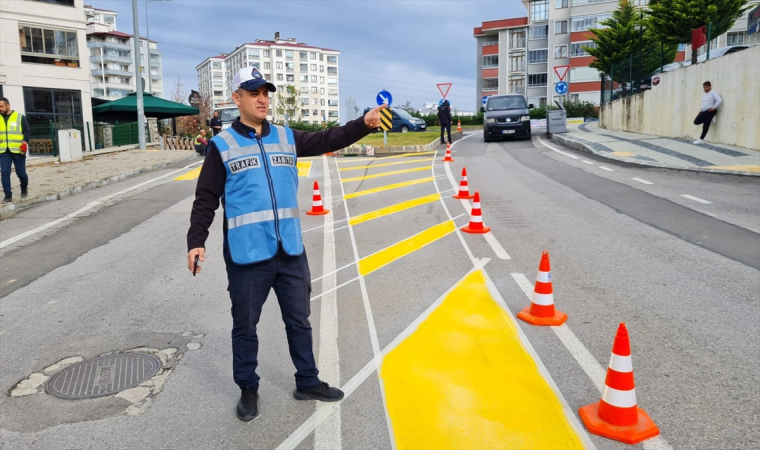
(506, 116)
(716, 53)
(403, 121)
(227, 114)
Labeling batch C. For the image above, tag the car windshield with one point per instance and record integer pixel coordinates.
(504, 103)
(228, 115)
(403, 114)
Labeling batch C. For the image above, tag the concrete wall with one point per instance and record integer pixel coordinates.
(670, 108)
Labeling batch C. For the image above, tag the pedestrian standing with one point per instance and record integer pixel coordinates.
(444, 117)
(201, 142)
(215, 123)
(710, 103)
(252, 167)
(14, 141)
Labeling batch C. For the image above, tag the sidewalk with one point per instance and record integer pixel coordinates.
(49, 181)
(656, 151)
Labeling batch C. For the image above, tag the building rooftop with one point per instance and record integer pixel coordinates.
(98, 9)
(491, 26)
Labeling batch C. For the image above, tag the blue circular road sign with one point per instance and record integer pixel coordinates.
(561, 88)
(384, 97)
(485, 99)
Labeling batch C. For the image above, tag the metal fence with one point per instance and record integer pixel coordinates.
(118, 134)
(631, 75)
(44, 138)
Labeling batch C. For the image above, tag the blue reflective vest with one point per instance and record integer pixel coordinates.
(260, 194)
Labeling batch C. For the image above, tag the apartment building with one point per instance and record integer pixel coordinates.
(283, 61)
(212, 79)
(554, 34)
(45, 67)
(112, 58)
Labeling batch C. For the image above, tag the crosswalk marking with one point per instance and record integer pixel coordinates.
(385, 174)
(387, 187)
(304, 168)
(372, 166)
(192, 175)
(394, 209)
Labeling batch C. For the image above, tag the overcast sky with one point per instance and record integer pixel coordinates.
(405, 47)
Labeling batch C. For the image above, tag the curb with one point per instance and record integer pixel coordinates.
(583, 147)
(379, 151)
(12, 209)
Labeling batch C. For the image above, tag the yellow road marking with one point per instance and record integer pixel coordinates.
(743, 168)
(372, 166)
(304, 168)
(627, 154)
(406, 155)
(394, 209)
(192, 175)
(387, 188)
(396, 251)
(384, 174)
(464, 379)
(403, 155)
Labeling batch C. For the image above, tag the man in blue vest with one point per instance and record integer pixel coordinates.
(251, 168)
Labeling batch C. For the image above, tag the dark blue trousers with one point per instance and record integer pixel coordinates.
(19, 162)
(249, 287)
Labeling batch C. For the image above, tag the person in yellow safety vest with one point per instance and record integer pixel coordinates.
(201, 142)
(14, 140)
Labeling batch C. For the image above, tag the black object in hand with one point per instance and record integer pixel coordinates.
(195, 266)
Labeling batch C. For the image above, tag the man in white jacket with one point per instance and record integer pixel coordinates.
(710, 102)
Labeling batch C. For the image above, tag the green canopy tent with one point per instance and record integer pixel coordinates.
(125, 109)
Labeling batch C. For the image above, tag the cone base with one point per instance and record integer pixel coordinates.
(464, 197)
(483, 230)
(557, 319)
(448, 160)
(633, 434)
(318, 213)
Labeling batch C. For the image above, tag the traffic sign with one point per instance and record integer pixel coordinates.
(384, 98)
(386, 123)
(561, 88)
(561, 72)
(441, 86)
(655, 80)
(485, 99)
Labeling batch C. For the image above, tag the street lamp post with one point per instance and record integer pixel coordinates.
(138, 80)
(639, 72)
(147, 31)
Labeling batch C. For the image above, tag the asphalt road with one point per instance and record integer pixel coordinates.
(682, 274)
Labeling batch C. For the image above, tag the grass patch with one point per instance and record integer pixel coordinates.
(401, 139)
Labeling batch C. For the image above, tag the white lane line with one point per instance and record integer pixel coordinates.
(606, 168)
(328, 434)
(696, 199)
(335, 271)
(489, 237)
(455, 218)
(595, 371)
(642, 180)
(587, 162)
(89, 206)
(553, 148)
(322, 226)
(334, 289)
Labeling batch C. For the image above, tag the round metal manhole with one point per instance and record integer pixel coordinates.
(102, 376)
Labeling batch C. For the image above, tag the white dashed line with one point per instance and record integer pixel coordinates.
(696, 199)
(553, 148)
(642, 181)
(606, 168)
(587, 162)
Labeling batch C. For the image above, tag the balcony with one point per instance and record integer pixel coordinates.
(517, 43)
(96, 59)
(122, 73)
(155, 76)
(100, 44)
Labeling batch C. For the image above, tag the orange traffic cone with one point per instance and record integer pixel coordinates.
(316, 208)
(464, 190)
(617, 416)
(459, 125)
(448, 157)
(541, 310)
(476, 218)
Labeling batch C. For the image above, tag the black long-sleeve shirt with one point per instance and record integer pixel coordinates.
(213, 174)
(25, 130)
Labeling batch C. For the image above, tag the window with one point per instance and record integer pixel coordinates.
(536, 79)
(303, 67)
(490, 61)
(321, 57)
(218, 93)
(576, 48)
(592, 97)
(304, 78)
(278, 53)
(332, 92)
(290, 66)
(559, 5)
(266, 53)
(332, 59)
(560, 51)
(313, 78)
(517, 62)
(289, 54)
(321, 80)
(305, 112)
(315, 101)
(735, 38)
(279, 77)
(332, 70)
(560, 27)
(537, 102)
(538, 56)
(290, 78)
(333, 114)
(322, 69)
(218, 83)
(332, 102)
(591, 2)
(49, 46)
(583, 23)
(490, 43)
(253, 53)
(322, 91)
(303, 56)
(490, 84)
(332, 80)
(305, 101)
(539, 10)
(539, 31)
(109, 19)
(315, 112)
(314, 67)
(278, 65)
(517, 39)
(62, 107)
(216, 65)
(59, 2)
(267, 65)
(583, 74)
(313, 56)
(304, 90)
(314, 90)
(255, 64)
(516, 84)
(322, 102)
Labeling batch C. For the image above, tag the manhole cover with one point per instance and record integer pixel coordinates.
(103, 376)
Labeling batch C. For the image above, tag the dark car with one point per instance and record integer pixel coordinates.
(506, 116)
(402, 121)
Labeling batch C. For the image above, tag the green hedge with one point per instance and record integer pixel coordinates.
(573, 109)
(304, 126)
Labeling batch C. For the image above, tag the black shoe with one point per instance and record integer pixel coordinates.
(248, 406)
(7, 200)
(322, 392)
(24, 193)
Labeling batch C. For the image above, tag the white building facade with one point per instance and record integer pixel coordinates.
(212, 79)
(45, 67)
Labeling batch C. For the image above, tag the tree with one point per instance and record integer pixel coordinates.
(178, 93)
(672, 21)
(407, 106)
(289, 102)
(619, 41)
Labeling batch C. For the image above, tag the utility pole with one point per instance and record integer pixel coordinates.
(138, 80)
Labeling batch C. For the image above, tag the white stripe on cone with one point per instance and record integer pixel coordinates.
(542, 299)
(621, 399)
(622, 364)
(544, 277)
(317, 202)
